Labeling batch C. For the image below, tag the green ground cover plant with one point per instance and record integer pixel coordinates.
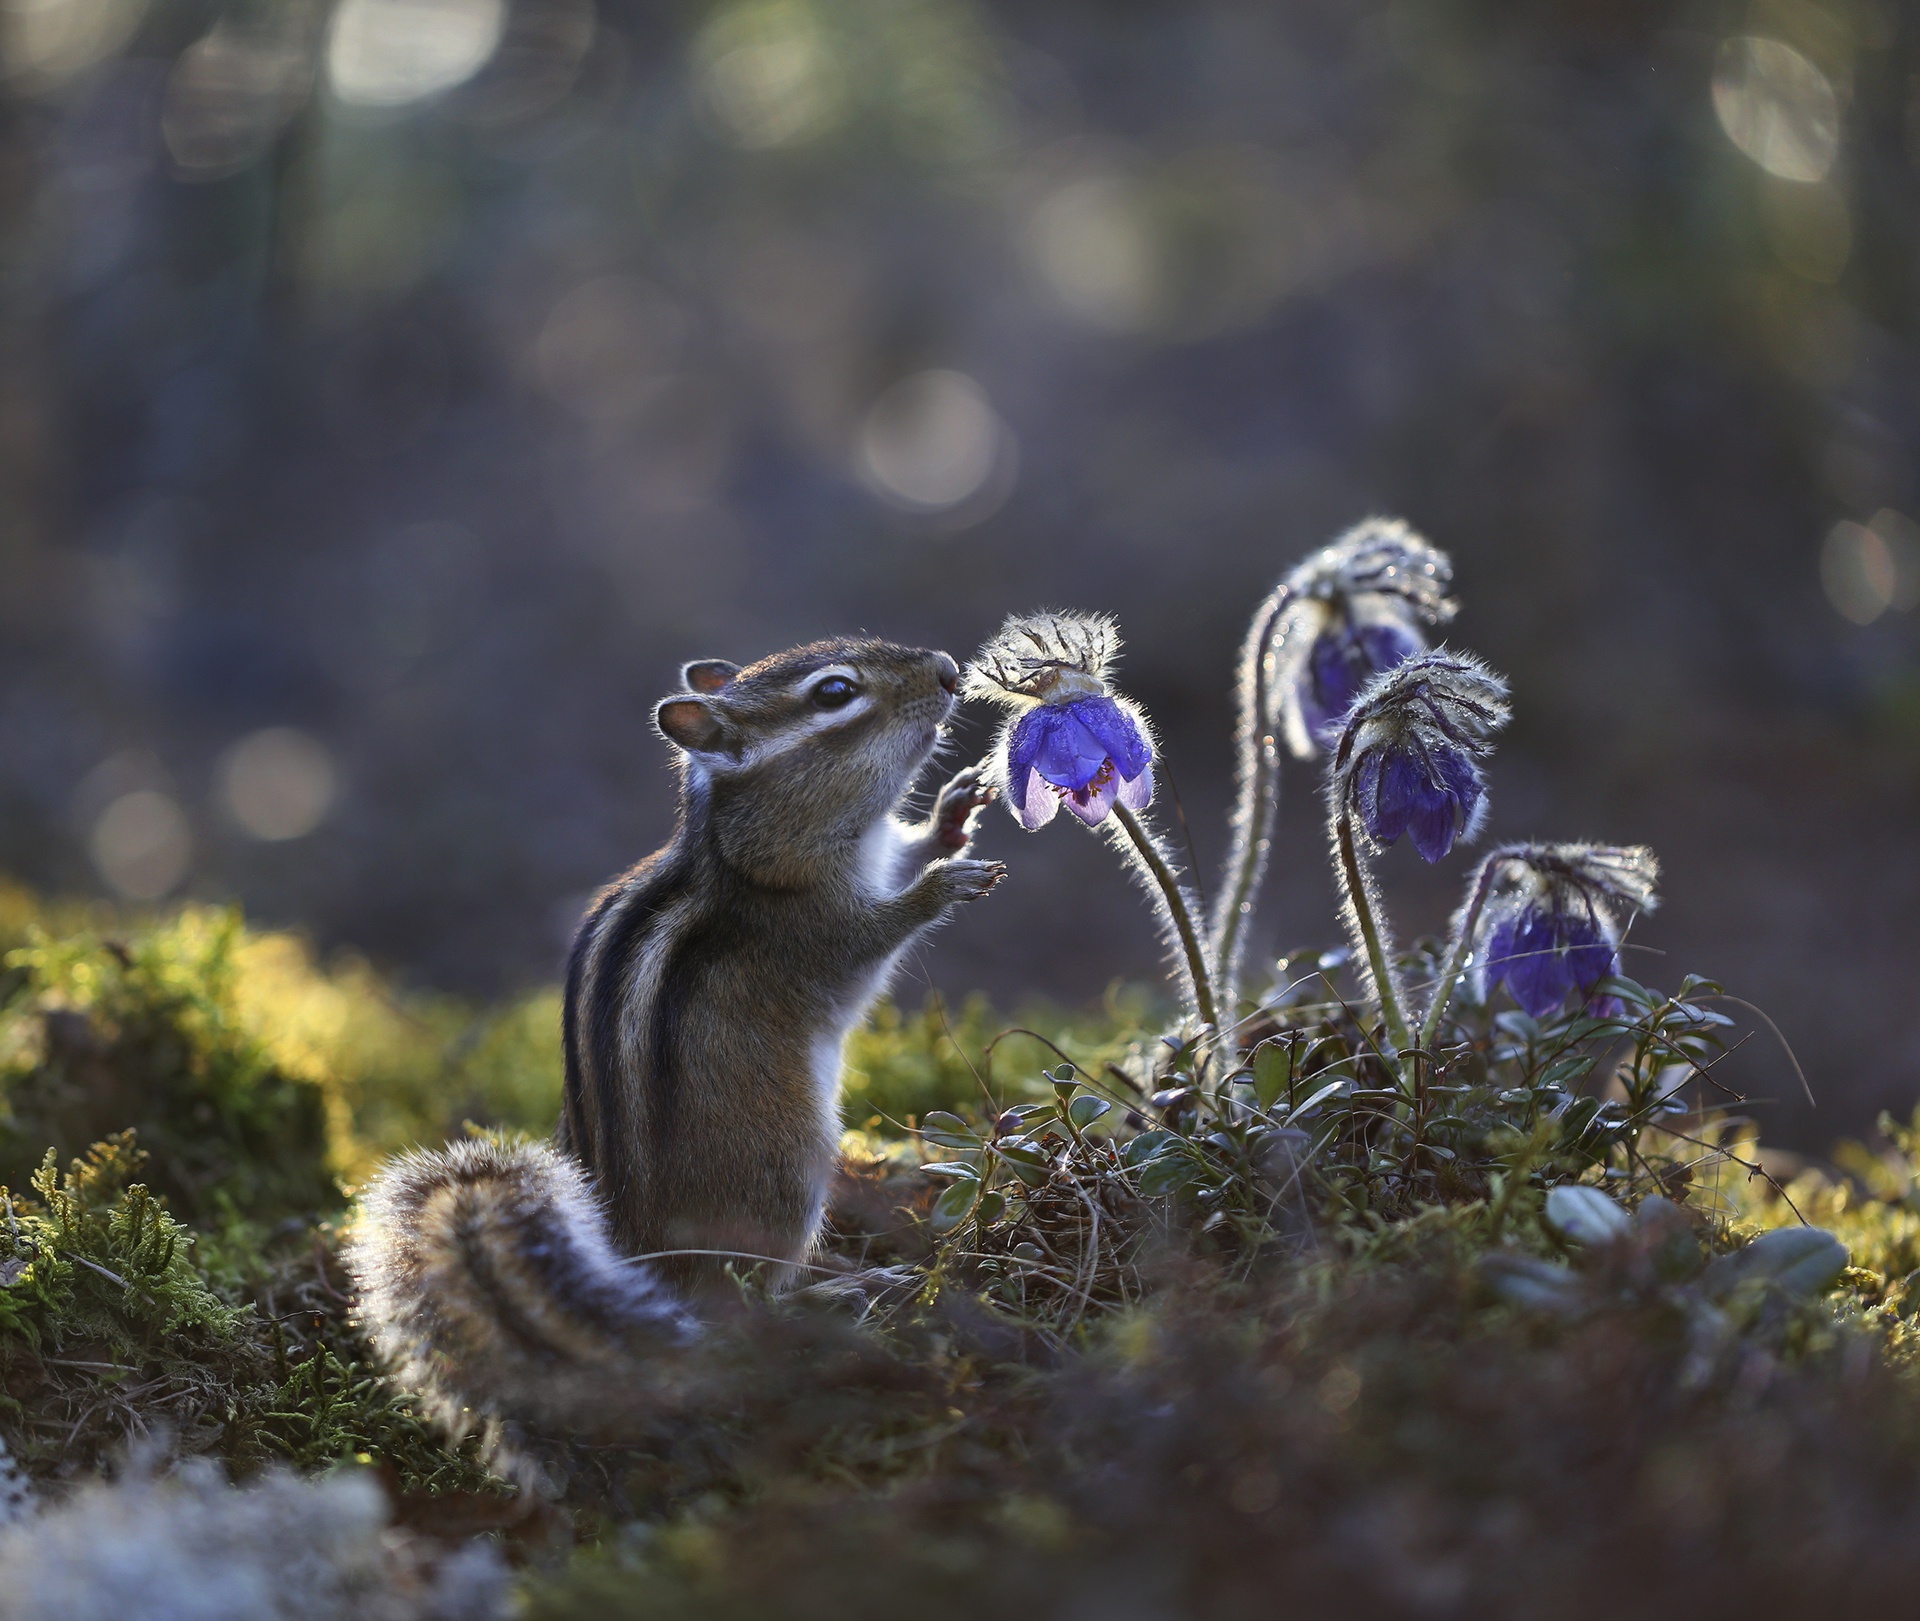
(1402, 1395)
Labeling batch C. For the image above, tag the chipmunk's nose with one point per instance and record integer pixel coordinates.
(946, 671)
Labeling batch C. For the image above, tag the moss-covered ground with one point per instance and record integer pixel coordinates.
(1152, 1347)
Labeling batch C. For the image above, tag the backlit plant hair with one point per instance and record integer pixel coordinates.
(1358, 605)
(1071, 740)
(1407, 760)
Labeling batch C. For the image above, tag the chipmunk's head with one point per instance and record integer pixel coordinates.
(808, 749)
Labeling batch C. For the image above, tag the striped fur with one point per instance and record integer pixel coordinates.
(709, 992)
(491, 1288)
(705, 985)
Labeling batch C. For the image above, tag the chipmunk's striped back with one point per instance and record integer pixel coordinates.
(617, 958)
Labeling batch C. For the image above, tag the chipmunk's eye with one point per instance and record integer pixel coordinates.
(834, 692)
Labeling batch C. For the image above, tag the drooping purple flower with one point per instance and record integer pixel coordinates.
(1085, 753)
(1432, 793)
(1357, 607)
(1407, 757)
(1545, 957)
(1342, 660)
(1073, 741)
(1554, 918)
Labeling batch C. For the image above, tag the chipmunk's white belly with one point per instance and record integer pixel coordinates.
(883, 863)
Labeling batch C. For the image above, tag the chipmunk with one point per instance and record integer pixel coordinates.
(708, 995)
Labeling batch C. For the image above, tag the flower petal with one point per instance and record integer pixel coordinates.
(1136, 793)
(1027, 735)
(1387, 642)
(1537, 974)
(1435, 823)
(1059, 747)
(1402, 792)
(1121, 737)
(1092, 804)
(1366, 790)
(1030, 799)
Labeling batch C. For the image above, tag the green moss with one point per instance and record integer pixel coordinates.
(1127, 1367)
(110, 1033)
(114, 1325)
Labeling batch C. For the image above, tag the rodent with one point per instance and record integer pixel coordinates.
(709, 992)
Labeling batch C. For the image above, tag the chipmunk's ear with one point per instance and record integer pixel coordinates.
(691, 724)
(708, 675)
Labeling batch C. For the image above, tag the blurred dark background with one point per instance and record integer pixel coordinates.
(393, 393)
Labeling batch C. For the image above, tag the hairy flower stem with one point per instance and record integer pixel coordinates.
(1257, 796)
(1358, 884)
(1457, 949)
(1156, 871)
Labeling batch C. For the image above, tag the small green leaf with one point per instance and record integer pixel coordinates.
(955, 1168)
(1167, 1172)
(1316, 1099)
(1272, 1071)
(948, 1131)
(952, 1207)
(1803, 1261)
(1586, 1216)
(1630, 991)
(1146, 1146)
(992, 1206)
(1086, 1109)
(1518, 1025)
(1564, 1072)
(1534, 1285)
(1024, 1112)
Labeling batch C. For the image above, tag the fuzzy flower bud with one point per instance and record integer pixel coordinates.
(1359, 605)
(1071, 740)
(1409, 753)
(1553, 917)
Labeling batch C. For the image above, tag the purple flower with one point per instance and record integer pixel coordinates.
(1431, 793)
(1071, 740)
(1342, 660)
(1545, 957)
(1086, 752)
(1358, 606)
(1407, 756)
(1554, 918)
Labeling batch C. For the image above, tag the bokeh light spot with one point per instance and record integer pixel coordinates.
(933, 441)
(767, 75)
(141, 844)
(52, 40)
(385, 53)
(1871, 567)
(1095, 251)
(229, 94)
(278, 783)
(1778, 108)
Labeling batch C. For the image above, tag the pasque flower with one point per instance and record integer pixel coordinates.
(1356, 607)
(1553, 915)
(1407, 760)
(1359, 605)
(1411, 747)
(1074, 741)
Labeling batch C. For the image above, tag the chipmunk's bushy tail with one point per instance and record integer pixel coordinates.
(492, 1291)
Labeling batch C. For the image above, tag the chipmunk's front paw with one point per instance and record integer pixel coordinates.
(964, 879)
(958, 807)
